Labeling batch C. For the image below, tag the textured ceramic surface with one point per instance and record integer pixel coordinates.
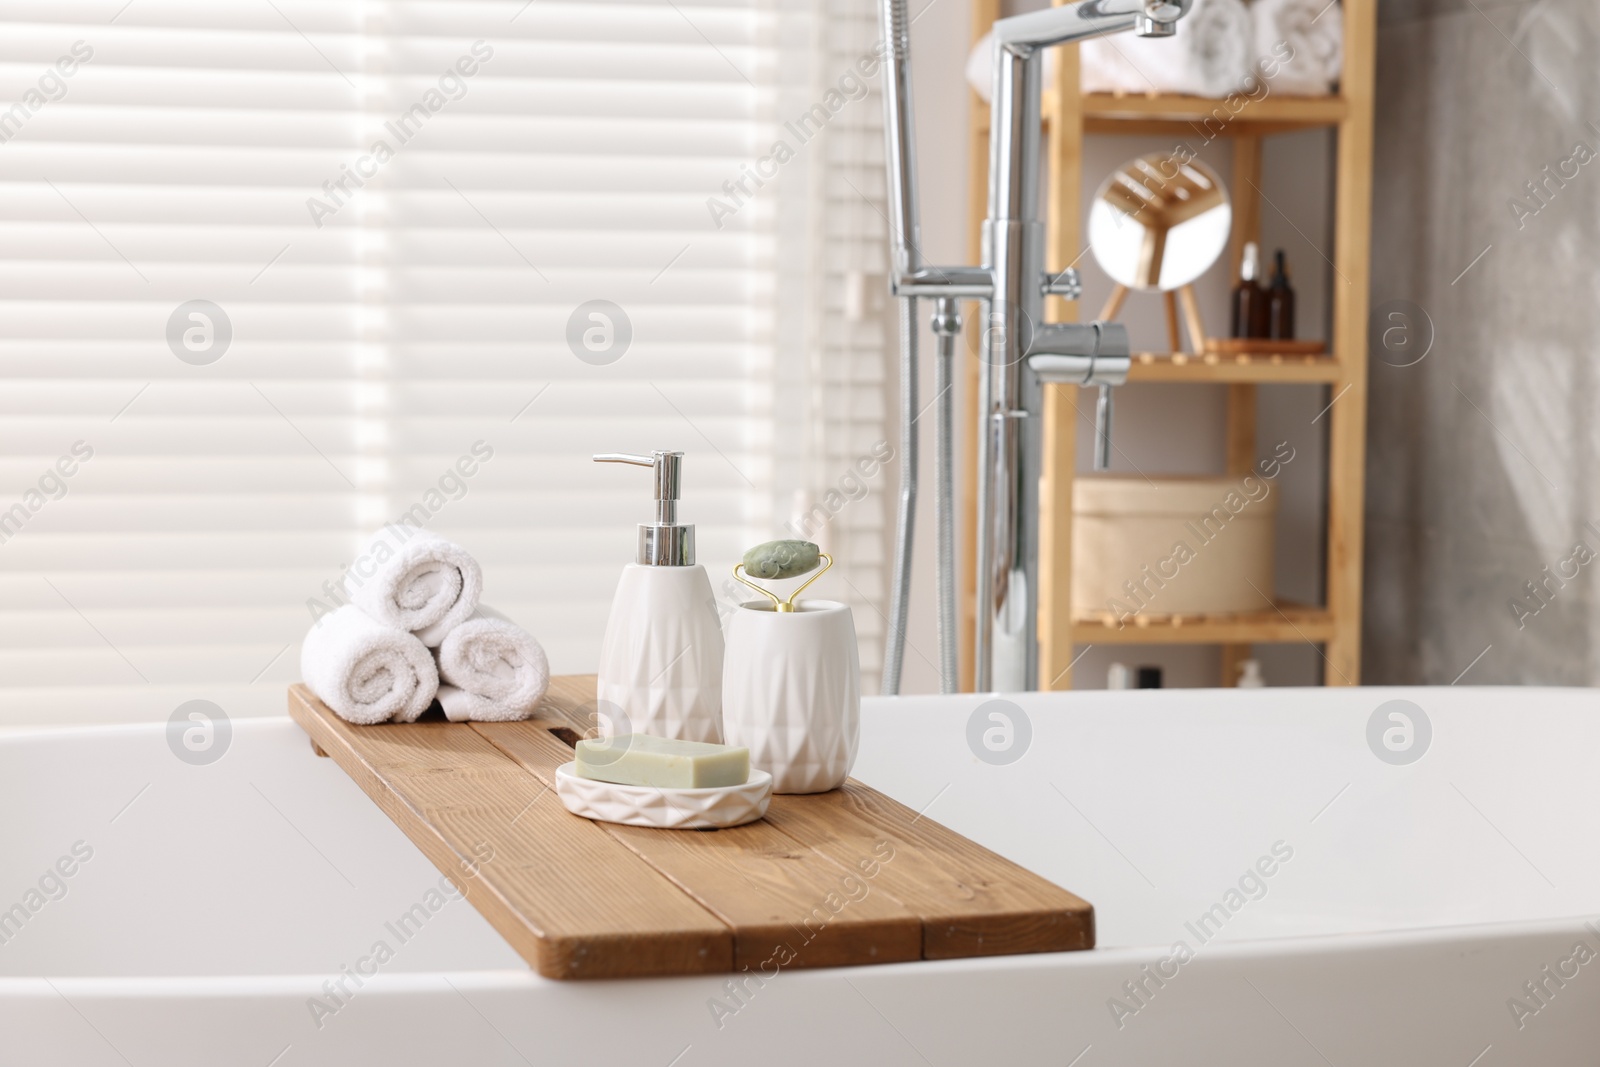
(792, 693)
(661, 659)
(667, 809)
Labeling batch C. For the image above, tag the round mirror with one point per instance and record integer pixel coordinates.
(1159, 222)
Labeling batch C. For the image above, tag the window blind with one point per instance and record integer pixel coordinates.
(274, 274)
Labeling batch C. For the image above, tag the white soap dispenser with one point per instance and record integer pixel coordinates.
(661, 659)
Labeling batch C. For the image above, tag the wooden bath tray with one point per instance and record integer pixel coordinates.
(838, 879)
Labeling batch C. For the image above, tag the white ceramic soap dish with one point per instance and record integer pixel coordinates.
(667, 809)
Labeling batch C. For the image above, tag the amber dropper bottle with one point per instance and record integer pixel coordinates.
(1280, 302)
(1249, 299)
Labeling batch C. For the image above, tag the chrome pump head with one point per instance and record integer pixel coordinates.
(665, 542)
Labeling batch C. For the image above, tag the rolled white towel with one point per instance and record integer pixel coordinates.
(1305, 39)
(492, 670)
(365, 671)
(1219, 42)
(1212, 54)
(419, 582)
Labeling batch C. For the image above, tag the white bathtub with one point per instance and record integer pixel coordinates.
(1417, 902)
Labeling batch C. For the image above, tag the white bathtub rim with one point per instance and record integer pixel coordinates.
(504, 979)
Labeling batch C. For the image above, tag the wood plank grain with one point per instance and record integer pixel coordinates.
(1241, 417)
(1193, 322)
(1284, 622)
(1352, 258)
(1109, 111)
(972, 901)
(787, 904)
(457, 797)
(569, 700)
(1273, 368)
(1062, 404)
(841, 878)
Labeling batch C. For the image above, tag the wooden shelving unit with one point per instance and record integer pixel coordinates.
(1069, 117)
(1107, 113)
(1281, 622)
(1185, 367)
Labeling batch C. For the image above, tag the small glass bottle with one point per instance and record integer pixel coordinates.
(1249, 299)
(1280, 302)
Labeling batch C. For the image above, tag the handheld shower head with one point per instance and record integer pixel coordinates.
(900, 132)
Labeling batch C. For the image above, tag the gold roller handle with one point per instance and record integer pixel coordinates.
(779, 604)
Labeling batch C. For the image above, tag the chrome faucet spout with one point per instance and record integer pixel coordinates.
(1089, 18)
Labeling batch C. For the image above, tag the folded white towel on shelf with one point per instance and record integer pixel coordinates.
(366, 671)
(1212, 54)
(1218, 44)
(1219, 48)
(492, 670)
(1306, 37)
(418, 581)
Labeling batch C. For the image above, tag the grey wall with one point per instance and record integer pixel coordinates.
(1482, 456)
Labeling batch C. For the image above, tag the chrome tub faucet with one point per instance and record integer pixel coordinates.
(1020, 351)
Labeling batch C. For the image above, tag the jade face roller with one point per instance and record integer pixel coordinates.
(774, 560)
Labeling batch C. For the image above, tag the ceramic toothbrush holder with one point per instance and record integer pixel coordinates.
(791, 692)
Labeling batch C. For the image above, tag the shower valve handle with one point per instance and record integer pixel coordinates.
(1090, 353)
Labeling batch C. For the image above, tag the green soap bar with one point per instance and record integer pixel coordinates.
(639, 759)
(782, 559)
